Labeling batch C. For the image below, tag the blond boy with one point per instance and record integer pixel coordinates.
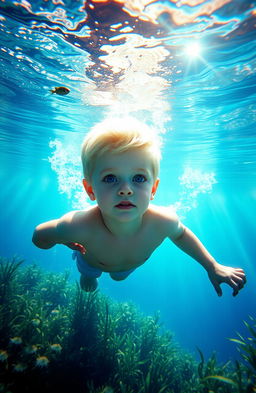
(121, 164)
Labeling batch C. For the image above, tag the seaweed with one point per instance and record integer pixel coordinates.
(246, 371)
(8, 295)
(56, 337)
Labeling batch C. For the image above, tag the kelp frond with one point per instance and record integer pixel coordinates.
(8, 269)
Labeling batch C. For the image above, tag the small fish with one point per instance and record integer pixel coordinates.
(60, 90)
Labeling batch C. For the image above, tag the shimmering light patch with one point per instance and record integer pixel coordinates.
(176, 16)
(65, 161)
(193, 183)
(128, 56)
(193, 49)
(135, 65)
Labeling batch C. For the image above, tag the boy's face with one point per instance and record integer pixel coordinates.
(123, 184)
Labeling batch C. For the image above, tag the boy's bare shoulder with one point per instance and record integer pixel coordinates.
(166, 220)
(77, 217)
(162, 213)
(77, 221)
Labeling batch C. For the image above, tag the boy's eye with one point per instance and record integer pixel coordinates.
(110, 179)
(139, 178)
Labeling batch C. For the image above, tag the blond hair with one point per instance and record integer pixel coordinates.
(116, 136)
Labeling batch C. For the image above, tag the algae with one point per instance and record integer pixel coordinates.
(56, 338)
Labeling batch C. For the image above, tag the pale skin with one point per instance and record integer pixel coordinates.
(123, 229)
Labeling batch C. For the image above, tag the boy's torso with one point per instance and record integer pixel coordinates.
(110, 253)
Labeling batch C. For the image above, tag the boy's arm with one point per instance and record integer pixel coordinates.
(46, 235)
(187, 241)
(59, 231)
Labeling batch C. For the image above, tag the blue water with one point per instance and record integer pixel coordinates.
(136, 61)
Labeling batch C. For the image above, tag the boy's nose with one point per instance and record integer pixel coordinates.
(125, 189)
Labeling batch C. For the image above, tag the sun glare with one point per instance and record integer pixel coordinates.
(193, 49)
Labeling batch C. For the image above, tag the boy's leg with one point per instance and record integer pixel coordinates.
(120, 276)
(89, 274)
(88, 284)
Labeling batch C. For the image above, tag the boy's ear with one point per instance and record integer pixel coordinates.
(154, 188)
(89, 190)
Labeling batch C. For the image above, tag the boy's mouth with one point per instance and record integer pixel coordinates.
(125, 205)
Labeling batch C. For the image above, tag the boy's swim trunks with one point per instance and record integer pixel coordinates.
(93, 272)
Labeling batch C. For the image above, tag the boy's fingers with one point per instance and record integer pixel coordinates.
(81, 248)
(76, 247)
(240, 275)
(237, 283)
(217, 288)
(236, 291)
(240, 280)
(237, 286)
(233, 283)
(238, 269)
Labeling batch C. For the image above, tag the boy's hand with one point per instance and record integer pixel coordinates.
(234, 277)
(76, 247)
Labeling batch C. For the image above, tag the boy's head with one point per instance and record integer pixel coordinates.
(116, 136)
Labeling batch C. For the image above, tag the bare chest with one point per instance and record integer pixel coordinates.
(116, 255)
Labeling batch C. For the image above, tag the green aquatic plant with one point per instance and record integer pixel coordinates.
(246, 373)
(8, 296)
(214, 376)
(30, 277)
(54, 290)
(8, 270)
(55, 337)
(83, 332)
(109, 341)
